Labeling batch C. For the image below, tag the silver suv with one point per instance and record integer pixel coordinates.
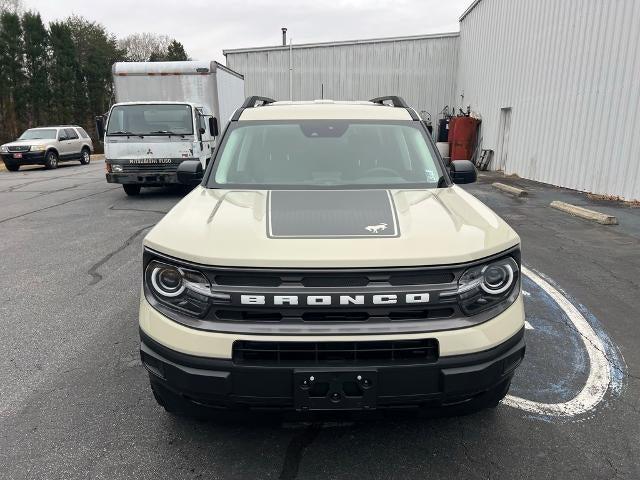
(48, 146)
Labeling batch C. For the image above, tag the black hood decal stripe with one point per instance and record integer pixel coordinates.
(331, 214)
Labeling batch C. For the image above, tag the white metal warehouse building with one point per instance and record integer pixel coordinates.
(556, 83)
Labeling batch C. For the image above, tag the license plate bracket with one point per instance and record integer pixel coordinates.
(335, 389)
(17, 155)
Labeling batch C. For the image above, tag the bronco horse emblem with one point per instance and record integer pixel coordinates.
(376, 228)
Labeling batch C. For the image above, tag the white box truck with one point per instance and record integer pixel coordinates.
(166, 113)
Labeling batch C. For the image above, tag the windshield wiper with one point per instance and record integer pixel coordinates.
(166, 132)
(125, 132)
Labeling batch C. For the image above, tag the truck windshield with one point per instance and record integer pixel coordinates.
(150, 119)
(38, 133)
(325, 154)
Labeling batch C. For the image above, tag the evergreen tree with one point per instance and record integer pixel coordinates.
(96, 51)
(37, 94)
(176, 52)
(12, 98)
(64, 74)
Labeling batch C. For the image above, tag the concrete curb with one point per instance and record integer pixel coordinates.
(517, 192)
(585, 213)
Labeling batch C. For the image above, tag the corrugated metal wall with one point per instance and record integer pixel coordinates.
(570, 72)
(420, 69)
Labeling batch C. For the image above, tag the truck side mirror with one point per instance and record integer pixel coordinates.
(213, 126)
(100, 126)
(463, 171)
(190, 172)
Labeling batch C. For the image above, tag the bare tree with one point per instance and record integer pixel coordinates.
(13, 6)
(140, 47)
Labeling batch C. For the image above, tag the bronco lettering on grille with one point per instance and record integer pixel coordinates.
(333, 300)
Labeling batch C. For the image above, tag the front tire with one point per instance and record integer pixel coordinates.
(85, 156)
(131, 189)
(12, 167)
(51, 160)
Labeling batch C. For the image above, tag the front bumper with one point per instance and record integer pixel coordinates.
(151, 179)
(223, 384)
(199, 365)
(28, 158)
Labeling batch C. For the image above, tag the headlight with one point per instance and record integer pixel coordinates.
(37, 148)
(487, 286)
(179, 288)
(116, 168)
(4, 149)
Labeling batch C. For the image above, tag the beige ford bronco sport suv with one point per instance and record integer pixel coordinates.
(327, 260)
(48, 146)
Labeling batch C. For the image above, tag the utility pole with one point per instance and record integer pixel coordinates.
(291, 69)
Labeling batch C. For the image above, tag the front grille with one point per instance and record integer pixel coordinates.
(334, 279)
(19, 148)
(315, 353)
(150, 167)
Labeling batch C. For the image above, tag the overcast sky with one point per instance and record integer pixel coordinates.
(206, 27)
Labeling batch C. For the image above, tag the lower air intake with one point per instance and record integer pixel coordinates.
(316, 353)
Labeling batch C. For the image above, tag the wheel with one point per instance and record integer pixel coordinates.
(12, 167)
(51, 160)
(85, 156)
(131, 189)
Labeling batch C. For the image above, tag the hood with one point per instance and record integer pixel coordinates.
(364, 228)
(148, 147)
(39, 141)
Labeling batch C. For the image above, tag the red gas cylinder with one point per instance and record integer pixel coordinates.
(463, 138)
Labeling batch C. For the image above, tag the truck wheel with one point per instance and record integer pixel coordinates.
(51, 160)
(12, 167)
(131, 189)
(85, 156)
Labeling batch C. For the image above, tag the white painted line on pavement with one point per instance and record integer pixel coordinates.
(599, 377)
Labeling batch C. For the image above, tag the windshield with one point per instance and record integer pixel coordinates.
(150, 119)
(38, 133)
(325, 154)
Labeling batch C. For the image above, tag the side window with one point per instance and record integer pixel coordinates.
(82, 132)
(71, 134)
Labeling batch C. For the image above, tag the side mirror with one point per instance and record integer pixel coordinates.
(100, 126)
(463, 171)
(62, 138)
(190, 172)
(201, 130)
(213, 126)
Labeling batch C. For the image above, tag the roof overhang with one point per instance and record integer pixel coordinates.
(342, 43)
(469, 8)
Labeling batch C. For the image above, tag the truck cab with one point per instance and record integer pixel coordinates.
(165, 113)
(146, 141)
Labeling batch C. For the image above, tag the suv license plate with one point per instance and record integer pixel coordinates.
(17, 155)
(337, 389)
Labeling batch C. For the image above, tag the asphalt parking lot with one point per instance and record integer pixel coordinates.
(75, 402)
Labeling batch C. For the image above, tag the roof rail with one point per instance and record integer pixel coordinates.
(397, 102)
(251, 102)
